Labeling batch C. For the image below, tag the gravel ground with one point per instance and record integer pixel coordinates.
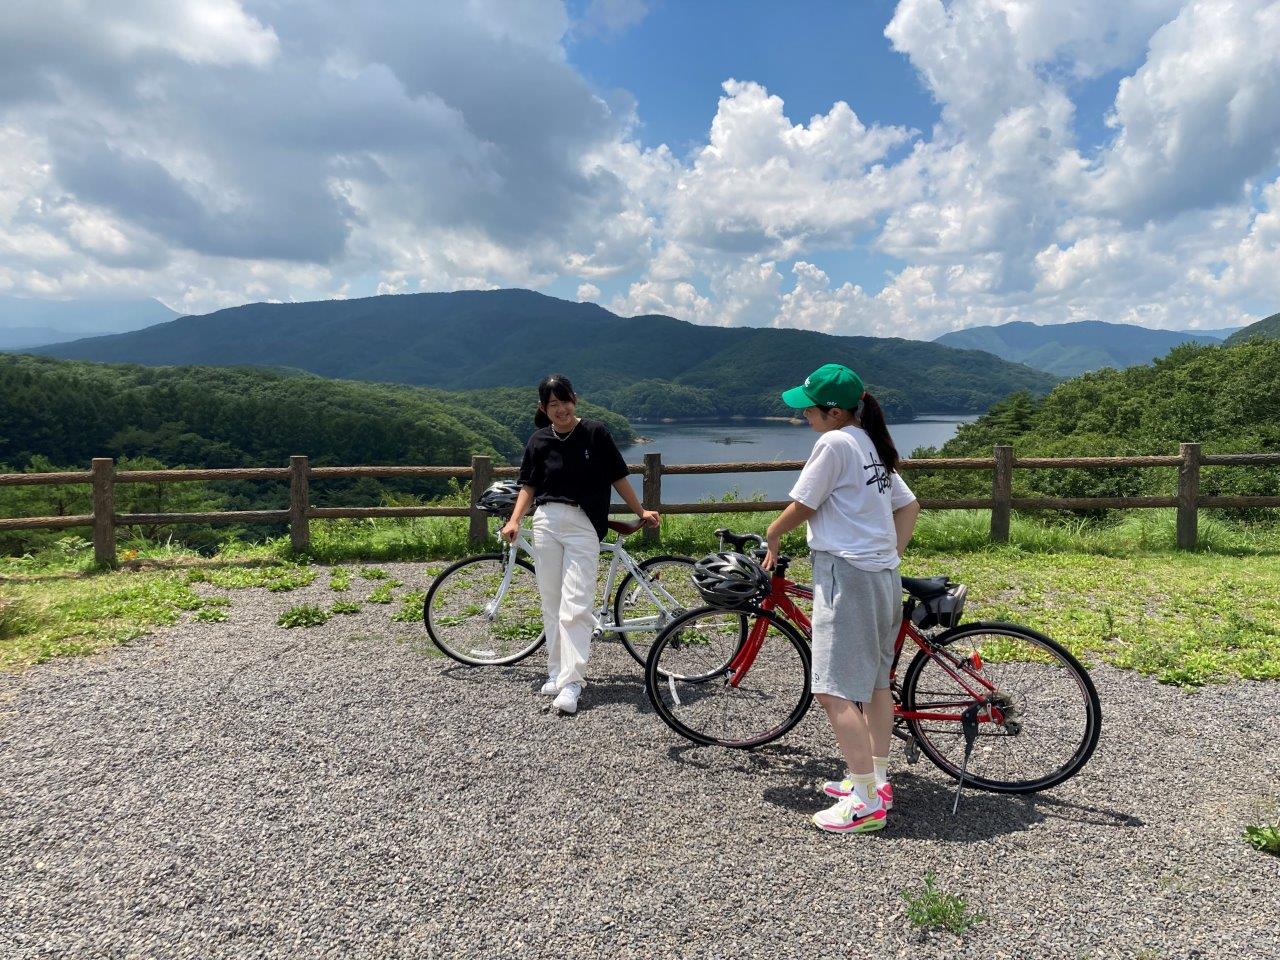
(240, 790)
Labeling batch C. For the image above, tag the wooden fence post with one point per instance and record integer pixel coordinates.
(1188, 495)
(651, 491)
(104, 509)
(481, 477)
(299, 504)
(1001, 493)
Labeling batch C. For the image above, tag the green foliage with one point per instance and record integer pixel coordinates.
(933, 909)
(373, 573)
(304, 615)
(211, 615)
(345, 606)
(382, 593)
(339, 579)
(1225, 398)
(1264, 838)
(410, 607)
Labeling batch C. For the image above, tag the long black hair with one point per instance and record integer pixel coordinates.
(871, 418)
(557, 385)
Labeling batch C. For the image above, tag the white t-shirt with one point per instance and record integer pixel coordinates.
(854, 496)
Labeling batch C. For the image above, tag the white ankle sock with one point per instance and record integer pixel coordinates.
(881, 767)
(864, 785)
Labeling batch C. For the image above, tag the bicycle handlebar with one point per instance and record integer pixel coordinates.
(738, 541)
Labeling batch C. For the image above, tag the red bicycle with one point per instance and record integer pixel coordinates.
(997, 706)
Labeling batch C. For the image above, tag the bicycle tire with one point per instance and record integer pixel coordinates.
(437, 630)
(661, 680)
(620, 599)
(932, 737)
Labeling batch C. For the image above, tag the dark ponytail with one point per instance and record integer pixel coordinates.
(557, 385)
(871, 418)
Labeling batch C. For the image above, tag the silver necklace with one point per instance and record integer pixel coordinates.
(567, 435)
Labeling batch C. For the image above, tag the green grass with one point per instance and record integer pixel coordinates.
(345, 606)
(1114, 593)
(410, 607)
(303, 615)
(933, 909)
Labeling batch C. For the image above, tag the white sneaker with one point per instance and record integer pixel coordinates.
(550, 688)
(567, 700)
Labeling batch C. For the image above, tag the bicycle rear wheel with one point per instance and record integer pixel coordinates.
(1052, 717)
(468, 620)
(696, 681)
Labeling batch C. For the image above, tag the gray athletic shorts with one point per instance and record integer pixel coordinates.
(856, 615)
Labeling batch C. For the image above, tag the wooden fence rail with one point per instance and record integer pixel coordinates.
(104, 477)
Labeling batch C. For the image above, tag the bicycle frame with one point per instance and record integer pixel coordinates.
(620, 560)
(780, 601)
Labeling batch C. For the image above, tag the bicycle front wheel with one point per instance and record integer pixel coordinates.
(705, 685)
(1050, 717)
(635, 612)
(473, 620)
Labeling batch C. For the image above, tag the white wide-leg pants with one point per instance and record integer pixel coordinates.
(566, 557)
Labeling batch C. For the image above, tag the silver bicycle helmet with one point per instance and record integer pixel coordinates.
(731, 580)
(500, 498)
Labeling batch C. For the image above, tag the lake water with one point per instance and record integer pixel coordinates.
(755, 440)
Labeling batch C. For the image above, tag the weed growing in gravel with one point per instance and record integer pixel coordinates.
(373, 573)
(210, 615)
(345, 606)
(1265, 836)
(339, 579)
(305, 615)
(931, 909)
(383, 592)
(410, 607)
(277, 579)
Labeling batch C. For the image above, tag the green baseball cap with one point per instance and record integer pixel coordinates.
(831, 385)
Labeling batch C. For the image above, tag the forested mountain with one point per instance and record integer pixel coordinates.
(1225, 398)
(59, 414)
(31, 323)
(650, 366)
(1067, 349)
(1266, 329)
(70, 412)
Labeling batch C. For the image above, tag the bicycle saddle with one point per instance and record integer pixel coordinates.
(624, 529)
(926, 588)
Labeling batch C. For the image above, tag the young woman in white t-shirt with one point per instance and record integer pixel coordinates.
(860, 518)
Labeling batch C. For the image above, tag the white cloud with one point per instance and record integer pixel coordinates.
(211, 152)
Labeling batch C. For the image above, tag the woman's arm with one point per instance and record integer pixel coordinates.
(512, 526)
(904, 523)
(651, 518)
(795, 514)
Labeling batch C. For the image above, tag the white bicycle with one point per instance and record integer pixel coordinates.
(485, 610)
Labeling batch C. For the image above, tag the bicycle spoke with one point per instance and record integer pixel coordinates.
(470, 618)
(698, 686)
(1048, 710)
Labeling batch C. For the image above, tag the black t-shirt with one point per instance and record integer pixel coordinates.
(581, 469)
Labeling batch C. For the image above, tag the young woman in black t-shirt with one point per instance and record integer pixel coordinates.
(569, 467)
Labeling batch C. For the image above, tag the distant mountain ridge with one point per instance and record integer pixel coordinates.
(647, 366)
(26, 322)
(1266, 329)
(1069, 349)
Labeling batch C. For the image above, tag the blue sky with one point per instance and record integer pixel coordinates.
(888, 167)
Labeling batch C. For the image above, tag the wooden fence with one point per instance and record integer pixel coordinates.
(104, 477)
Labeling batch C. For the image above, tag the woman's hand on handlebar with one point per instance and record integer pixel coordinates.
(773, 547)
(510, 530)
